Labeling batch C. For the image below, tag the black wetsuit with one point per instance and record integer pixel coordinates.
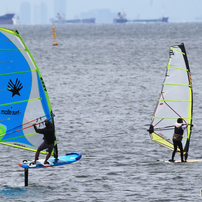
(48, 132)
(178, 141)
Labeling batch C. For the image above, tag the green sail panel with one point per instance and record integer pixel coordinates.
(176, 100)
(23, 96)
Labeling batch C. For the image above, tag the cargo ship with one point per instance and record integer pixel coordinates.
(85, 20)
(163, 19)
(121, 18)
(60, 18)
(7, 18)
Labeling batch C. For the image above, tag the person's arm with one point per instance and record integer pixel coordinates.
(184, 126)
(39, 130)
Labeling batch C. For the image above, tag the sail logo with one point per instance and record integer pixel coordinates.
(15, 87)
(9, 112)
(44, 87)
(20, 145)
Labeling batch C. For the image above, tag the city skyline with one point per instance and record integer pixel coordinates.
(42, 11)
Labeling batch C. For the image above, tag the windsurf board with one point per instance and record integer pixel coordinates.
(62, 160)
(188, 161)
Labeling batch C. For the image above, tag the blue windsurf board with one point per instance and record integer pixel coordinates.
(62, 160)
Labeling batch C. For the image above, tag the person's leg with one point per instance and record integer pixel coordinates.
(186, 156)
(50, 149)
(40, 148)
(175, 149)
(36, 156)
(181, 150)
(47, 157)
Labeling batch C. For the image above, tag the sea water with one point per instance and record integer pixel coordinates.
(103, 82)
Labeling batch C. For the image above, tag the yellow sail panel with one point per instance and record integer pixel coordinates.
(163, 142)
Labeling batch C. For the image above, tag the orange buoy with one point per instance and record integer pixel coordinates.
(54, 36)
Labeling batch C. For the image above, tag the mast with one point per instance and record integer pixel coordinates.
(186, 147)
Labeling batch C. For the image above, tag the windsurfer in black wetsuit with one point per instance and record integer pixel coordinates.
(177, 138)
(49, 139)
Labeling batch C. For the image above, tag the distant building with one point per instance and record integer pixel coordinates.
(40, 13)
(36, 13)
(43, 14)
(25, 13)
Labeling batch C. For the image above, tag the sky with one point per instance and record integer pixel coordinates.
(176, 10)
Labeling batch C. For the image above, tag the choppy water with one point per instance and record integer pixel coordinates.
(104, 82)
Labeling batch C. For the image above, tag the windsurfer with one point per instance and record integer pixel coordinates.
(177, 138)
(48, 143)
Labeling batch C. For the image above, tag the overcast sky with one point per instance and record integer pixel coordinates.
(176, 10)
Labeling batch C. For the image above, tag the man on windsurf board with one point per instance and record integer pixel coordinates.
(177, 138)
(48, 143)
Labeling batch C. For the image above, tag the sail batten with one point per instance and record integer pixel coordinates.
(177, 68)
(24, 96)
(13, 138)
(167, 139)
(5, 61)
(18, 72)
(175, 117)
(177, 50)
(13, 50)
(12, 103)
(175, 84)
(175, 101)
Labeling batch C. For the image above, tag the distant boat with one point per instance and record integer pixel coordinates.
(7, 18)
(163, 19)
(60, 18)
(121, 18)
(86, 20)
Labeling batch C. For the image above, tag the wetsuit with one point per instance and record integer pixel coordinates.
(177, 139)
(49, 138)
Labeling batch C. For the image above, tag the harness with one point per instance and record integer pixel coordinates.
(178, 133)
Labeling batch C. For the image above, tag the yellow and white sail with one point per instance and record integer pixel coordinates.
(176, 101)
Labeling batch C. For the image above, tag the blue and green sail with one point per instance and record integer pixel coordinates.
(23, 96)
(176, 101)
